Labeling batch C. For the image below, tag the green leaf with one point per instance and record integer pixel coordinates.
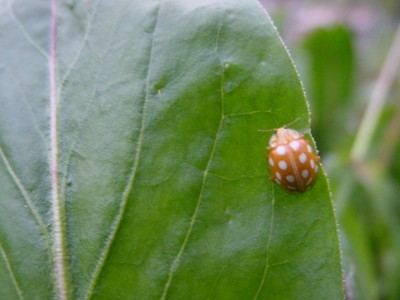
(131, 165)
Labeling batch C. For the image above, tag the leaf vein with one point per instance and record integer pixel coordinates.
(79, 52)
(10, 272)
(125, 195)
(26, 103)
(59, 264)
(86, 114)
(25, 195)
(250, 113)
(267, 265)
(24, 32)
(182, 249)
(238, 178)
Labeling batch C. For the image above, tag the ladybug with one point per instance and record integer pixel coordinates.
(293, 163)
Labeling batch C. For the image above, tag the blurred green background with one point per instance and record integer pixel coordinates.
(348, 56)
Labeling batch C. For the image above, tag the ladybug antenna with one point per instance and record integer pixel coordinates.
(291, 122)
(284, 126)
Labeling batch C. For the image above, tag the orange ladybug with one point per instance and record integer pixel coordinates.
(292, 161)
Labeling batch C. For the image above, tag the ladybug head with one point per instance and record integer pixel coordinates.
(284, 136)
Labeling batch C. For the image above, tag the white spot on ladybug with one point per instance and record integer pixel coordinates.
(303, 158)
(309, 148)
(309, 181)
(305, 173)
(282, 165)
(278, 175)
(280, 150)
(312, 164)
(291, 187)
(290, 178)
(271, 162)
(316, 168)
(277, 181)
(295, 145)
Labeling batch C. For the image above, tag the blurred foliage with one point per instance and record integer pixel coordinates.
(339, 61)
(331, 63)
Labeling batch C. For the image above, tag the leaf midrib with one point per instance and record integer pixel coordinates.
(57, 209)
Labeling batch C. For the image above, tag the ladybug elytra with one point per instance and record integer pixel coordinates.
(292, 161)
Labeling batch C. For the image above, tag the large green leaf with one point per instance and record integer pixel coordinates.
(131, 165)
